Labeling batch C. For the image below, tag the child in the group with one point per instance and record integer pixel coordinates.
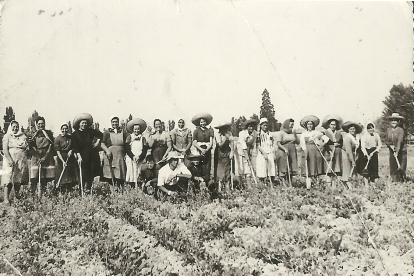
(148, 175)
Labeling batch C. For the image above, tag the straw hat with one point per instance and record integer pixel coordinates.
(83, 116)
(136, 121)
(222, 125)
(248, 122)
(395, 116)
(309, 118)
(203, 115)
(348, 124)
(328, 118)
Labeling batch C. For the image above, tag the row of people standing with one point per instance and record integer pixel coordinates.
(331, 153)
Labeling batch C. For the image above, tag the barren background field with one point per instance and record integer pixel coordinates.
(280, 231)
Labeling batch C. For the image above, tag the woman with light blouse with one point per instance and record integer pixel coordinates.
(370, 146)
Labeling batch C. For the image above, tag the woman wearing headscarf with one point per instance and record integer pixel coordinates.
(203, 139)
(15, 163)
(84, 140)
(265, 161)
(137, 149)
(224, 150)
(42, 145)
(287, 150)
(333, 148)
(351, 142)
(310, 142)
(182, 139)
(66, 161)
(243, 156)
(395, 141)
(117, 141)
(370, 146)
(160, 143)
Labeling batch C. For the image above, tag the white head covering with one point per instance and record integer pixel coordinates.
(10, 131)
(177, 127)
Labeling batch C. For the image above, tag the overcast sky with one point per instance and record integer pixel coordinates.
(171, 59)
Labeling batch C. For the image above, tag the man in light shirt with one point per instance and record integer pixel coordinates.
(174, 176)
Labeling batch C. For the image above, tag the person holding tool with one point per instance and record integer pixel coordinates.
(310, 141)
(333, 148)
(395, 141)
(349, 149)
(243, 157)
(84, 140)
(287, 157)
(42, 163)
(370, 146)
(65, 169)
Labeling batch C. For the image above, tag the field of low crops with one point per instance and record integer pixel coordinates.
(263, 231)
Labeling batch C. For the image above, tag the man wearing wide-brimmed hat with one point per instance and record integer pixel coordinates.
(396, 142)
(243, 153)
(173, 177)
(203, 138)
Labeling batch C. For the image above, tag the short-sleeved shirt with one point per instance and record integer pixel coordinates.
(166, 172)
(63, 143)
(203, 135)
(163, 138)
(246, 141)
(181, 138)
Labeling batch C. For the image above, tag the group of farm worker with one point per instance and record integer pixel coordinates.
(150, 157)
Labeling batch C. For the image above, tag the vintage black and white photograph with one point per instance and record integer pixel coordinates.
(206, 137)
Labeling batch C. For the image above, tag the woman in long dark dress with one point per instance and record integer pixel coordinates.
(66, 161)
(84, 139)
(224, 150)
(42, 145)
(395, 140)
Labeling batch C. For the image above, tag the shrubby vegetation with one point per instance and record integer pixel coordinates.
(258, 232)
